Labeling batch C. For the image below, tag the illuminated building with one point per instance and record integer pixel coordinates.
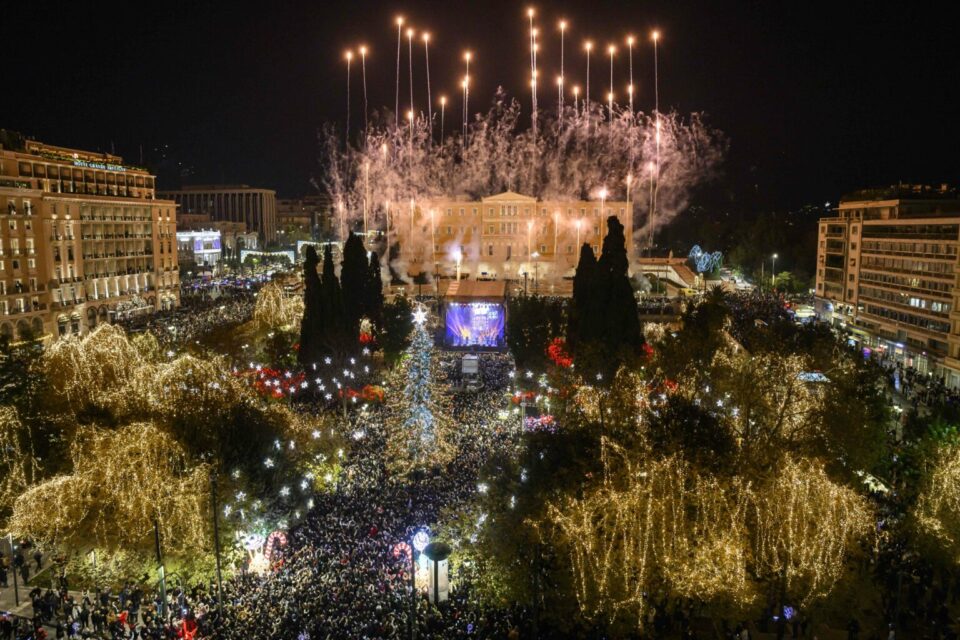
(199, 247)
(233, 235)
(256, 208)
(887, 272)
(506, 236)
(83, 240)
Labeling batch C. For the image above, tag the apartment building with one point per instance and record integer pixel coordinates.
(83, 240)
(887, 269)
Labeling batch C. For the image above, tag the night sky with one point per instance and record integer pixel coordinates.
(816, 99)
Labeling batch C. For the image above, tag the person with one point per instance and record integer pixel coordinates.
(4, 563)
(38, 558)
(853, 629)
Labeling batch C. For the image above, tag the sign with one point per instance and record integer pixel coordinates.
(106, 166)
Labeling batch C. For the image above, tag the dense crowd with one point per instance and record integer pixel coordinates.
(197, 316)
(750, 311)
(342, 575)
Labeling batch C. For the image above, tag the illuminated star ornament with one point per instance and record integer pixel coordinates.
(420, 315)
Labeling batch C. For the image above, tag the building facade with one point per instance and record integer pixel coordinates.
(233, 235)
(199, 248)
(83, 240)
(507, 236)
(309, 216)
(256, 208)
(887, 270)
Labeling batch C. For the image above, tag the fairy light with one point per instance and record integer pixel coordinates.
(140, 462)
(19, 466)
(275, 309)
(938, 505)
(660, 522)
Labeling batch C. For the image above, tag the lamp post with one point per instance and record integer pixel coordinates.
(603, 205)
(160, 569)
(529, 232)
(420, 541)
(536, 272)
(16, 590)
(773, 271)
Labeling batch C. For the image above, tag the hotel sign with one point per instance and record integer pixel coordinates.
(98, 165)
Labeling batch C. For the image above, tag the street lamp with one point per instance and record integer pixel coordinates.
(420, 541)
(536, 272)
(603, 203)
(773, 271)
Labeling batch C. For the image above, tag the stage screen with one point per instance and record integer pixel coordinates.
(474, 324)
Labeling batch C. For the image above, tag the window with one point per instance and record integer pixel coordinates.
(31, 263)
(489, 249)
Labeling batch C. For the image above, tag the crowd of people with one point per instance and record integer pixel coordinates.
(343, 573)
(197, 316)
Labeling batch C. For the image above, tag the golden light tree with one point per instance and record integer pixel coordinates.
(18, 464)
(653, 523)
(93, 371)
(277, 310)
(774, 407)
(188, 386)
(937, 512)
(122, 482)
(804, 528)
(706, 556)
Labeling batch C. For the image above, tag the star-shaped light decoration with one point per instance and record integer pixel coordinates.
(420, 315)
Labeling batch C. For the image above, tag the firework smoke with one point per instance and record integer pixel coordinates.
(570, 158)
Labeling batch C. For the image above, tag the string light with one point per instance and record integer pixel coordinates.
(277, 310)
(146, 477)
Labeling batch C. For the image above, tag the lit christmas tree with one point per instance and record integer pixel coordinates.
(419, 422)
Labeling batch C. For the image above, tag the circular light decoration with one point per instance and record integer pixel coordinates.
(401, 549)
(420, 541)
(275, 541)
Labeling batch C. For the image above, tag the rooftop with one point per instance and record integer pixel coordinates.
(903, 192)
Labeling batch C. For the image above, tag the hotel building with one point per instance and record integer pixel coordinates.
(256, 208)
(82, 241)
(887, 269)
(503, 236)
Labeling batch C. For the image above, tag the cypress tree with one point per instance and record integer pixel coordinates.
(374, 292)
(619, 324)
(353, 282)
(311, 327)
(334, 325)
(581, 306)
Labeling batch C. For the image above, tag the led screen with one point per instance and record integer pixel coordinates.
(475, 324)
